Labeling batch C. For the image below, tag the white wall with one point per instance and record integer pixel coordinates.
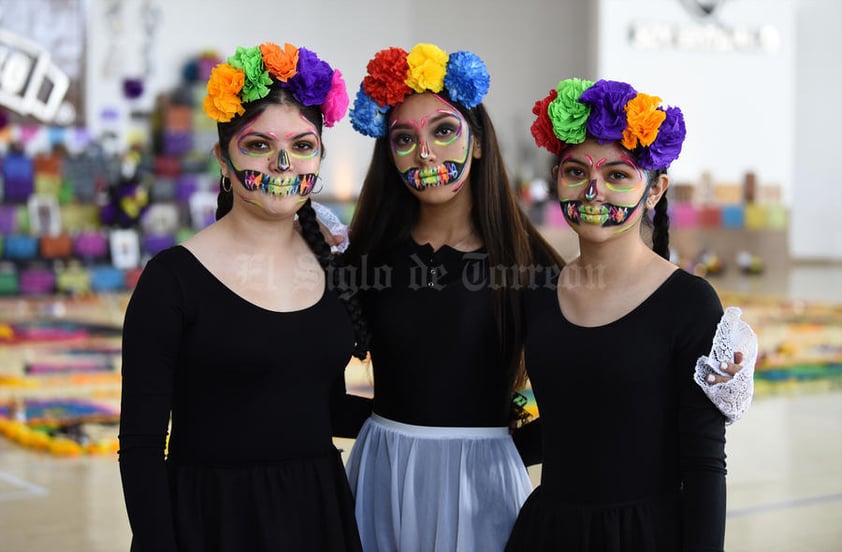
(519, 46)
(774, 112)
(815, 225)
(738, 105)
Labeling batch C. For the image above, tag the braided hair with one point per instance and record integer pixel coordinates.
(312, 234)
(660, 222)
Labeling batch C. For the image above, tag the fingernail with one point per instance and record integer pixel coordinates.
(723, 365)
(711, 378)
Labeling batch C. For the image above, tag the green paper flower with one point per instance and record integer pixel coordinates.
(258, 79)
(568, 115)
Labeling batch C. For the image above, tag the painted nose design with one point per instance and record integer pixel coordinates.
(283, 161)
(590, 192)
(425, 150)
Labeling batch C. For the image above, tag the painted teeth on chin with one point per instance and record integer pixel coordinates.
(433, 182)
(281, 192)
(420, 185)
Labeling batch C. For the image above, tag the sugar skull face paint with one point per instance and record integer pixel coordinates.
(601, 185)
(278, 153)
(430, 142)
(277, 186)
(603, 215)
(283, 161)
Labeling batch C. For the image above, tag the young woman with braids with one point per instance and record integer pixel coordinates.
(238, 337)
(618, 347)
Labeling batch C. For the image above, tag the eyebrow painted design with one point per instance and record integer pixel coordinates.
(417, 126)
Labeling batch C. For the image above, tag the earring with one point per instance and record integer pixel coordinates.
(223, 180)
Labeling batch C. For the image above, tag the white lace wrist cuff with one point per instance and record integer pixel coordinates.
(330, 221)
(734, 396)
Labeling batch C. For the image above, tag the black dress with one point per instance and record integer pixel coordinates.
(633, 450)
(438, 363)
(251, 463)
(434, 346)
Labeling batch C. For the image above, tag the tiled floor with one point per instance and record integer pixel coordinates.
(784, 457)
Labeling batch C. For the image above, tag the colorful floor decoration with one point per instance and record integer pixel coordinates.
(60, 372)
(799, 342)
(64, 427)
(60, 364)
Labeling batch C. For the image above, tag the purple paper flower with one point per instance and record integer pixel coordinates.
(313, 80)
(132, 88)
(667, 146)
(608, 100)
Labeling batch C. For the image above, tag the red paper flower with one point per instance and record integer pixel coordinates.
(542, 128)
(386, 79)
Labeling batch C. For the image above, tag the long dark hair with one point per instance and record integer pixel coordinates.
(310, 230)
(386, 212)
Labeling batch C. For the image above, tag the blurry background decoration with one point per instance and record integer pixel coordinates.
(42, 61)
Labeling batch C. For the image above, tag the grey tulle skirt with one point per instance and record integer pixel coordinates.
(435, 489)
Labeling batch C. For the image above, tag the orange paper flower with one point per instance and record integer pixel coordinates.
(223, 101)
(280, 62)
(644, 119)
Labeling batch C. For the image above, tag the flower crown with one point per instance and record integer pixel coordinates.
(394, 74)
(248, 74)
(609, 111)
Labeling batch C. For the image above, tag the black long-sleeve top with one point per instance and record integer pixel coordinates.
(245, 385)
(623, 421)
(434, 344)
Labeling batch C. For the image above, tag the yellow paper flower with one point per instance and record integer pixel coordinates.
(427, 66)
(644, 119)
(223, 101)
(280, 62)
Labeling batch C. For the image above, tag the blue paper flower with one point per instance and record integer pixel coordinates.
(367, 117)
(467, 79)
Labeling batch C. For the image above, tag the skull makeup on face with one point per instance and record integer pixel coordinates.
(430, 142)
(281, 141)
(601, 184)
